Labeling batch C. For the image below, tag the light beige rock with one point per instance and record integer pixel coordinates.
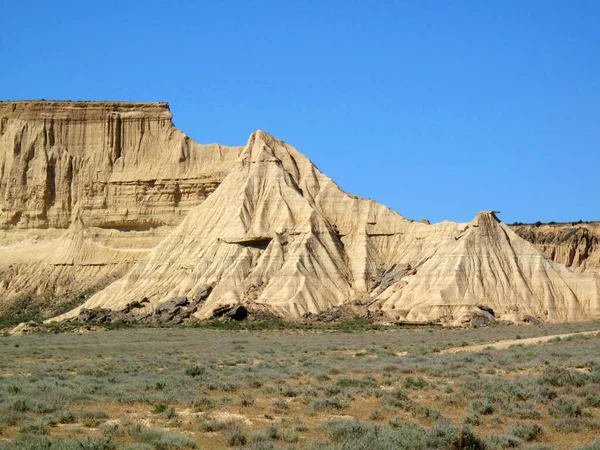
(125, 168)
(488, 263)
(279, 235)
(51, 273)
(152, 214)
(124, 164)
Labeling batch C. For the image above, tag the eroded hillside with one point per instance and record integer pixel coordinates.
(109, 212)
(119, 174)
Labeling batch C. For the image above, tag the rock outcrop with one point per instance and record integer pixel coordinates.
(124, 164)
(110, 199)
(279, 235)
(488, 263)
(61, 271)
(122, 169)
(576, 245)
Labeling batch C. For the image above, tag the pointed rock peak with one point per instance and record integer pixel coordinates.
(260, 147)
(265, 148)
(486, 218)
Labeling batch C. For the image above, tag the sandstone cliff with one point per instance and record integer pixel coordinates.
(575, 245)
(111, 197)
(278, 235)
(120, 174)
(124, 164)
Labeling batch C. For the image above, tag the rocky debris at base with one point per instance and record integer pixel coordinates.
(174, 311)
(532, 320)
(25, 328)
(233, 312)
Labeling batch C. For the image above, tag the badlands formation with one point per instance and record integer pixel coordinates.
(111, 198)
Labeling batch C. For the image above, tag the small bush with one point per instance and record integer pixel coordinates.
(576, 425)
(502, 442)
(195, 371)
(20, 405)
(565, 407)
(375, 415)
(471, 418)
(595, 445)
(485, 407)
(415, 383)
(38, 427)
(560, 376)
(328, 404)
(592, 401)
(161, 439)
(212, 425)
(272, 432)
(236, 436)
(281, 404)
(290, 436)
(160, 408)
(344, 430)
(246, 400)
(228, 387)
(527, 431)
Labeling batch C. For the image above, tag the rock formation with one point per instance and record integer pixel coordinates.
(279, 236)
(576, 245)
(111, 197)
(123, 164)
(126, 170)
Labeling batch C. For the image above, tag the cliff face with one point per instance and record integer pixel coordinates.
(124, 164)
(280, 236)
(577, 246)
(276, 235)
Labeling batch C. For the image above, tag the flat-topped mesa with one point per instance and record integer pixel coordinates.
(125, 165)
(40, 110)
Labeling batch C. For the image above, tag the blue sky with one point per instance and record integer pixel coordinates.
(438, 109)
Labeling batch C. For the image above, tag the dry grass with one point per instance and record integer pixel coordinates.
(199, 388)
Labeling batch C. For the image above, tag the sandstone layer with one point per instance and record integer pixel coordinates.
(576, 245)
(120, 173)
(110, 199)
(124, 165)
(280, 236)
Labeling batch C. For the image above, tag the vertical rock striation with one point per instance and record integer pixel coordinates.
(124, 164)
(575, 245)
(279, 236)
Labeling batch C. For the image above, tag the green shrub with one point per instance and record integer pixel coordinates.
(592, 401)
(527, 431)
(415, 383)
(485, 407)
(328, 404)
(471, 418)
(162, 439)
(565, 407)
(236, 436)
(36, 442)
(595, 445)
(560, 376)
(212, 425)
(195, 371)
(246, 400)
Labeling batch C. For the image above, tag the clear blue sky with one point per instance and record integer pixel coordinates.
(437, 109)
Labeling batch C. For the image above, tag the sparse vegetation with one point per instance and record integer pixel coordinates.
(207, 388)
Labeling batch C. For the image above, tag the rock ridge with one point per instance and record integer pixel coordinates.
(280, 236)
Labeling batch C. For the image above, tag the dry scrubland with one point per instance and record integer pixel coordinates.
(363, 388)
